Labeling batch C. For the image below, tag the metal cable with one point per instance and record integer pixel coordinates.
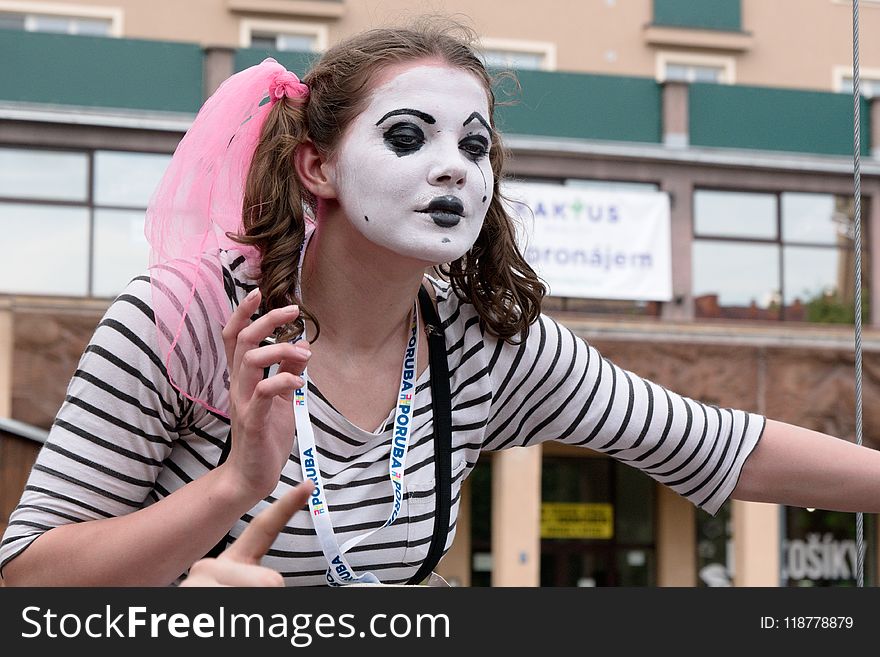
(857, 225)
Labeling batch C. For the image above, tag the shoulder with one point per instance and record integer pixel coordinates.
(192, 300)
(224, 274)
(459, 317)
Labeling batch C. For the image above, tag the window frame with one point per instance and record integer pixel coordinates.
(115, 15)
(664, 58)
(547, 49)
(247, 27)
(842, 72)
(88, 203)
(778, 241)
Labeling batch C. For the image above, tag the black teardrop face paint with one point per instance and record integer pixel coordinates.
(478, 148)
(366, 218)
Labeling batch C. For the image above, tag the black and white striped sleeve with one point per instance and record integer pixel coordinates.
(112, 433)
(554, 386)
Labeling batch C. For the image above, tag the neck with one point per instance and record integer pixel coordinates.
(361, 293)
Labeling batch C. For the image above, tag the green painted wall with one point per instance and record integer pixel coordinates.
(151, 75)
(581, 106)
(702, 14)
(101, 72)
(775, 119)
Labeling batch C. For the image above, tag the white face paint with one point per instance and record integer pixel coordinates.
(412, 172)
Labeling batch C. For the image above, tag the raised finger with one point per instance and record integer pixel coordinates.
(227, 572)
(262, 531)
(261, 328)
(296, 365)
(278, 385)
(240, 318)
(292, 357)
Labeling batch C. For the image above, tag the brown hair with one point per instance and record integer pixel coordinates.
(493, 275)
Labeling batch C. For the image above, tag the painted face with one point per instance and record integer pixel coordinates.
(412, 172)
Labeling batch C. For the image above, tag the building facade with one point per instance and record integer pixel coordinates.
(740, 112)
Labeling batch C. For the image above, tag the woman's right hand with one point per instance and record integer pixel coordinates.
(239, 564)
(261, 409)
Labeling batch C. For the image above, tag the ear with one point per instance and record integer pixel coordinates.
(312, 170)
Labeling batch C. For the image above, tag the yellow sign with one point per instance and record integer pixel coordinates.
(576, 520)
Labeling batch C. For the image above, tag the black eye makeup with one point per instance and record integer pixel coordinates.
(404, 138)
(475, 147)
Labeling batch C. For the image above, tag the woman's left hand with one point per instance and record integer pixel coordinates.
(239, 564)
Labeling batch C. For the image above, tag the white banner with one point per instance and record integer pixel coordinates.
(595, 244)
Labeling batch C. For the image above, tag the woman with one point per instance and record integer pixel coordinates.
(390, 141)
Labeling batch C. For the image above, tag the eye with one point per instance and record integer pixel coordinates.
(475, 147)
(404, 138)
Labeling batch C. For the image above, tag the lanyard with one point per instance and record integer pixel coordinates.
(339, 572)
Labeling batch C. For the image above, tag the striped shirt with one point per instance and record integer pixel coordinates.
(124, 438)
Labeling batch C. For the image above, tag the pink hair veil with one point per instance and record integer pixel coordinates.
(196, 204)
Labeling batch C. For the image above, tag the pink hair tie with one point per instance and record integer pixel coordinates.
(287, 85)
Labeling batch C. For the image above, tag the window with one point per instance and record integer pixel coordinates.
(75, 219)
(58, 19)
(283, 35)
(480, 481)
(777, 256)
(524, 55)
(714, 548)
(869, 81)
(819, 548)
(689, 67)
(294, 42)
(597, 523)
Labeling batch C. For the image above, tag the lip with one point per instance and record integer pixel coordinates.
(446, 211)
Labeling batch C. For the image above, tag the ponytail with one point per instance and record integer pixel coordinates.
(273, 213)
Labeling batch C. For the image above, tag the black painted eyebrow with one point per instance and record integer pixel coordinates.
(478, 117)
(427, 118)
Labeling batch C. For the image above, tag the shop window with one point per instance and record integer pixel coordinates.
(75, 218)
(480, 481)
(49, 247)
(714, 548)
(819, 548)
(776, 256)
(597, 524)
(43, 175)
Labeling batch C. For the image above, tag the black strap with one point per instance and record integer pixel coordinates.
(441, 403)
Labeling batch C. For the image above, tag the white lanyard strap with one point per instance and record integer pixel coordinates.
(339, 572)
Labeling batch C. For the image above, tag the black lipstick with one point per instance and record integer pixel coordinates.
(446, 211)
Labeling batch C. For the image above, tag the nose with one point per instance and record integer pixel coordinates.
(449, 169)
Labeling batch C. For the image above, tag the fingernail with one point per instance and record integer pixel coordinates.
(289, 309)
(252, 294)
